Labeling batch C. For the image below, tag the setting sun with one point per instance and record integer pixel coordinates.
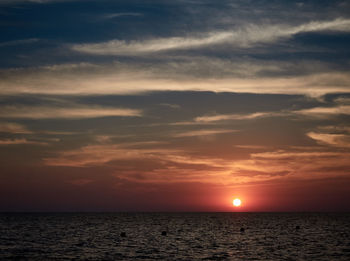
(236, 202)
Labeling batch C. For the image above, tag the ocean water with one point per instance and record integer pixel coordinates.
(189, 236)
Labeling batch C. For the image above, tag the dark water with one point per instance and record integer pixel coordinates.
(190, 236)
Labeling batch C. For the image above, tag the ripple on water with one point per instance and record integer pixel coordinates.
(189, 236)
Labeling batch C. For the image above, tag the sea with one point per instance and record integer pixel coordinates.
(175, 236)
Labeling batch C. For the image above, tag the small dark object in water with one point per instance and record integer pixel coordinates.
(163, 233)
(297, 227)
(123, 234)
(242, 229)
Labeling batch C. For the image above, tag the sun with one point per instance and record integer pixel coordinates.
(237, 202)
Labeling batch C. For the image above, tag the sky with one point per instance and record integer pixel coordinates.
(184, 105)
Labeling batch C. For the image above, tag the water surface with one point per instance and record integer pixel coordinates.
(190, 236)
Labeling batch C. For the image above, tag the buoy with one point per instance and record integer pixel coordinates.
(163, 233)
(297, 227)
(242, 229)
(123, 234)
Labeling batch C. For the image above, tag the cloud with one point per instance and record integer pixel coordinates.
(83, 81)
(20, 142)
(115, 15)
(10, 127)
(324, 112)
(338, 24)
(42, 112)
(143, 162)
(337, 140)
(251, 147)
(225, 117)
(58, 132)
(19, 42)
(212, 119)
(302, 165)
(121, 47)
(297, 165)
(10, 2)
(285, 155)
(199, 133)
(246, 36)
(103, 138)
(343, 100)
(91, 155)
(147, 162)
(169, 105)
(338, 129)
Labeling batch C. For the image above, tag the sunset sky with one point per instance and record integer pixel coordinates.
(139, 105)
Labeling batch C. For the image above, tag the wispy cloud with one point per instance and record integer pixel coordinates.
(325, 111)
(116, 15)
(305, 165)
(335, 129)
(199, 133)
(282, 154)
(10, 127)
(58, 132)
(243, 116)
(100, 154)
(7, 2)
(121, 47)
(124, 78)
(153, 164)
(332, 135)
(42, 112)
(169, 165)
(337, 140)
(20, 142)
(169, 105)
(240, 38)
(343, 100)
(212, 119)
(118, 78)
(19, 42)
(251, 147)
